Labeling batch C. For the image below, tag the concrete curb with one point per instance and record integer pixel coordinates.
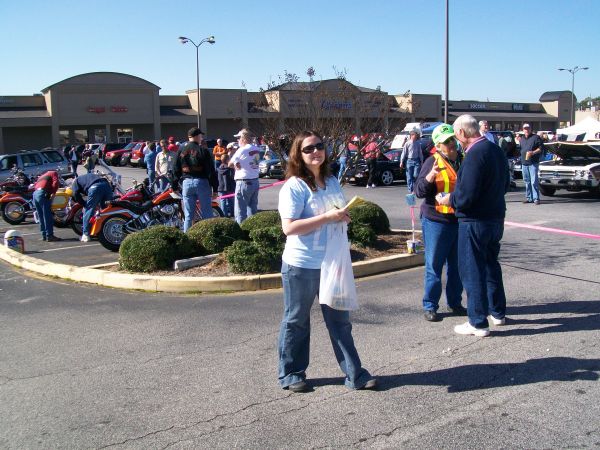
(183, 284)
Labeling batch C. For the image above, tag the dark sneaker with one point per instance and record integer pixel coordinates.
(431, 316)
(527, 201)
(300, 386)
(458, 311)
(370, 385)
(53, 239)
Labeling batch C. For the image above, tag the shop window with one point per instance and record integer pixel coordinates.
(63, 136)
(81, 136)
(124, 135)
(99, 135)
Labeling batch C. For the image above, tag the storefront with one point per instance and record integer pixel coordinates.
(116, 107)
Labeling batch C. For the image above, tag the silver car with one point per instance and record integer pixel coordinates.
(34, 162)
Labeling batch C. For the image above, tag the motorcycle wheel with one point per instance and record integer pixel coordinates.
(13, 212)
(77, 222)
(112, 234)
(60, 221)
(217, 212)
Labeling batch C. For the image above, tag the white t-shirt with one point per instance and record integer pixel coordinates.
(297, 201)
(248, 156)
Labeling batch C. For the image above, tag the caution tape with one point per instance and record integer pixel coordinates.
(553, 230)
(277, 183)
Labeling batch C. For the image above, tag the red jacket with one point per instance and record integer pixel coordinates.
(48, 182)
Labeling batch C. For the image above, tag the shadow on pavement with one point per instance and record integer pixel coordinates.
(487, 376)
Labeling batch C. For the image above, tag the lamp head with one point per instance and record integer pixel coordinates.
(211, 40)
(183, 39)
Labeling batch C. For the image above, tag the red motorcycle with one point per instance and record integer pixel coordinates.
(112, 224)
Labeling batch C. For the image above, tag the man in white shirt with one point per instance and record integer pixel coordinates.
(484, 130)
(245, 161)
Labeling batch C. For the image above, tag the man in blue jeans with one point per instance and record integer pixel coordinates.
(532, 149)
(196, 169)
(478, 201)
(245, 161)
(412, 159)
(98, 191)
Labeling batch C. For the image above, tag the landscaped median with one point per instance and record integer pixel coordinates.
(156, 283)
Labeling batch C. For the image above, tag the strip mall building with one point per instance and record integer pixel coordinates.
(115, 107)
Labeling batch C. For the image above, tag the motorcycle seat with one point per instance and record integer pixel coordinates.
(21, 189)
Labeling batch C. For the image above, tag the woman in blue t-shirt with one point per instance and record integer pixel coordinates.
(309, 201)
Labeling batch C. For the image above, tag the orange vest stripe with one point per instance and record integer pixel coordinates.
(445, 181)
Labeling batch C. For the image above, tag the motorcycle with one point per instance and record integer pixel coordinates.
(112, 224)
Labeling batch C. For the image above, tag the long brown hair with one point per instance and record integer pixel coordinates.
(296, 166)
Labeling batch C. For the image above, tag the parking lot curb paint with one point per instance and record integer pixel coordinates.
(182, 284)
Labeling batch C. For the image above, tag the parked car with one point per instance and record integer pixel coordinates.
(137, 155)
(103, 149)
(388, 169)
(34, 162)
(575, 168)
(113, 157)
(271, 168)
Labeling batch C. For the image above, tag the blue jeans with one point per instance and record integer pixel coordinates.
(42, 204)
(532, 182)
(413, 167)
(480, 271)
(342, 168)
(300, 287)
(98, 194)
(162, 183)
(151, 178)
(196, 190)
(441, 247)
(227, 204)
(246, 199)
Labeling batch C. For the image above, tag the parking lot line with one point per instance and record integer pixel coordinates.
(68, 248)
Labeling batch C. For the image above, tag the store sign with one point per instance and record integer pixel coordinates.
(6, 101)
(477, 106)
(336, 104)
(102, 109)
(518, 107)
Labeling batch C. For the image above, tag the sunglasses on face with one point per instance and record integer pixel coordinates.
(311, 148)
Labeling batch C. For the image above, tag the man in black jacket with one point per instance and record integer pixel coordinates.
(97, 190)
(478, 201)
(196, 170)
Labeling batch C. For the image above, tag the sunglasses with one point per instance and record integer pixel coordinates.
(311, 148)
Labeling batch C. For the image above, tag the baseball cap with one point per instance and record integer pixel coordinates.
(526, 125)
(230, 145)
(240, 133)
(442, 133)
(171, 139)
(194, 131)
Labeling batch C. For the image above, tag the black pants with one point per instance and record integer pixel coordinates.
(372, 167)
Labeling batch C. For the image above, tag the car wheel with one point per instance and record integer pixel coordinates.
(387, 177)
(547, 191)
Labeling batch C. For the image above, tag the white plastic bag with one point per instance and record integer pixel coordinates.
(337, 288)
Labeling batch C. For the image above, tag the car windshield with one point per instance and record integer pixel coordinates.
(129, 146)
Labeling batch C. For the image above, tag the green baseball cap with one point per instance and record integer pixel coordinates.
(442, 133)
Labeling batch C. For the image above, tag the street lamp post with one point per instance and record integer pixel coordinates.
(573, 71)
(185, 40)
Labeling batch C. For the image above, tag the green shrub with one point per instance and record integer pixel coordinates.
(215, 234)
(371, 215)
(248, 257)
(270, 241)
(263, 219)
(361, 235)
(155, 248)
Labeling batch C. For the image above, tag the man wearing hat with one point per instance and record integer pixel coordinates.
(478, 202)
(245, 161)
(532, 148)
(412, 158)
(173, 147)
(196, 170)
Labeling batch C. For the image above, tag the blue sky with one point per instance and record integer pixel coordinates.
(503, 50)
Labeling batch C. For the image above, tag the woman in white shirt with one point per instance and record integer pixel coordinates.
(311, 199)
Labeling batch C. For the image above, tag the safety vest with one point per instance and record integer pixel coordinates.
(445, 181)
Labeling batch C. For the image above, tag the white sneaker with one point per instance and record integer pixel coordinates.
(373, 186)
(497, 322)
(85, 238)
(467, 328)
(368, 186)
